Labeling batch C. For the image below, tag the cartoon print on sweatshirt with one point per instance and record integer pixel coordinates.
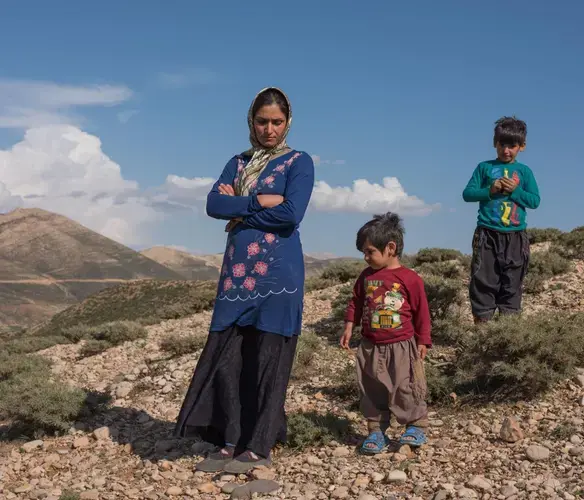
(388, 305)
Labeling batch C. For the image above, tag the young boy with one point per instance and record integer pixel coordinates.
(504, 188)
(390, 304)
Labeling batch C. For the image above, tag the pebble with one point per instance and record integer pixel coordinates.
(575, 439)
(367, 496)
(312, 460)
(174, 491)
(123, 389)
(228, 488)
(441, 495)
(340, 492)
(397, 476)
(436, 423)
(206, 488)
(32, 445)
(474, 430)
(537, 453)
(509, 491)
(89, 495)
(579, 380)
(101, 434)
(341, 452)
(576, 451)
(479, 483)
(263, 473)
(82, 442)
(377, 477)
(511, 430)
(466, 493)
(259, 487)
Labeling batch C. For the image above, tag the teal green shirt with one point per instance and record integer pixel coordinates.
(502, 212)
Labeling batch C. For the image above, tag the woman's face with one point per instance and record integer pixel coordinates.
(269, 124)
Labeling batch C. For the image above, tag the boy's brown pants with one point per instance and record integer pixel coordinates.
(391, 381)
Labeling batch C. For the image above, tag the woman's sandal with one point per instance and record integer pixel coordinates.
(413, 436)
(376, 438)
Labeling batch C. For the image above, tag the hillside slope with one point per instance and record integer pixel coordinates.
(48, 262)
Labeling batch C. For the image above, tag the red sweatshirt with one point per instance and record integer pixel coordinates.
(391, 306)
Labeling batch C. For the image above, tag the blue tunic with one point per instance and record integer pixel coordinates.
(262, 277)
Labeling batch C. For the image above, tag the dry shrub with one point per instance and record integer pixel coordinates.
(178, 345)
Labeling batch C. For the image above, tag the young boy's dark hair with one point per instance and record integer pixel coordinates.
(510, 131)
(380, 230)
(504, 189)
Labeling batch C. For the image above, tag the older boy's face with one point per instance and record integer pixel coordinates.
(507, 152)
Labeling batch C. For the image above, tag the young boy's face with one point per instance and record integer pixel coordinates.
(507, 152)
(377, 259)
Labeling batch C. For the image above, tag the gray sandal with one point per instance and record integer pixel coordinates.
(245, 462)
(215, 462)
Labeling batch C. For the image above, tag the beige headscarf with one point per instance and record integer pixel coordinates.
(260, 156)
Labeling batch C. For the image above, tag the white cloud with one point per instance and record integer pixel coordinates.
(369, 198)
(63, 169)
(126, 116)
(186, 78)
(25, 103)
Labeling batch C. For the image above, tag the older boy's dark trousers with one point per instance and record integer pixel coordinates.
(499, 265)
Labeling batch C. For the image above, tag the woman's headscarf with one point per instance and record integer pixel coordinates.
(260, 156)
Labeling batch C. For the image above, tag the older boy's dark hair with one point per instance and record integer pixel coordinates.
(510, 131)
(380, 231)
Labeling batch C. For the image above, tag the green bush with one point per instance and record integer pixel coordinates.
(521, 357)
(543, 266)
(33, 399)
(446, 269)
(31, 343)
(306, 352)
(178, 345)
(70, 495)
(443, 295)
(118, 332)
(573, 242)
(543, 235)
(441, 382)
(311, 430)
(433, 255)
(133, 301)
(93, 347)
(12, 365)
(339, 304)
(343, 271)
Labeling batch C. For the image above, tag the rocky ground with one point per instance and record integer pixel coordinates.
(522, 451)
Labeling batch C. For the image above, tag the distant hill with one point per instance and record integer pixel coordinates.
(189, 266)
(203, 267)
(48, 262)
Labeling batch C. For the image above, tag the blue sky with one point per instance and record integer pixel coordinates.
(378, 90)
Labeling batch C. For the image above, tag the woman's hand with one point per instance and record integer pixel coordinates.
(226, 189)
(269, 200)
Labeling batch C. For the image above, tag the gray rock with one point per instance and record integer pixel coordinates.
(576, 451)
(229, 488)
(441, 495)
(260, 487)
(474, 430)
(579, 380)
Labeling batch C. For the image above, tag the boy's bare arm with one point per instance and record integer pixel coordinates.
(347, 334)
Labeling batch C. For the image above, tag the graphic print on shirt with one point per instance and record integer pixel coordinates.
(248, 272)
(386, 305)
(503, 210)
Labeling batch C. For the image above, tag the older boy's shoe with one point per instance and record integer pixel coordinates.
(245, 462)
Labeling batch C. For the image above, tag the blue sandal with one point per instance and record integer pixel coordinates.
(413, 436)
(376, 438)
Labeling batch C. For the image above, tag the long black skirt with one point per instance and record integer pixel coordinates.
(238, 390)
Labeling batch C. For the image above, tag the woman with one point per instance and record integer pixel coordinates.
(236, 397)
